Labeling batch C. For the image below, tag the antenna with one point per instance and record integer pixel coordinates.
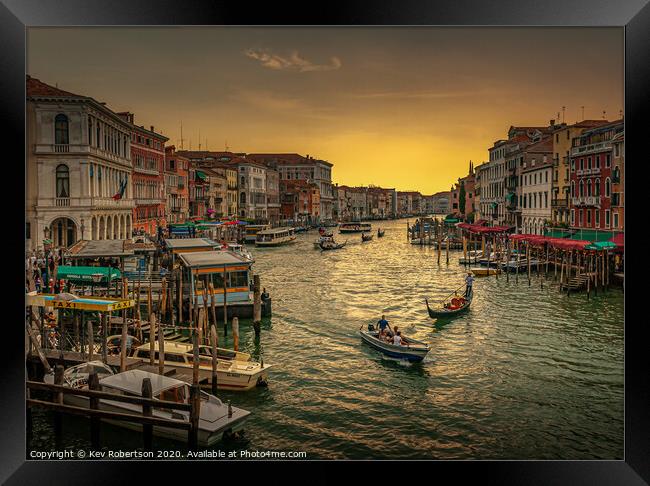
(199, 139)
(563, 108)
(227, 150)
(604, 115)
(583, 111)
(206, 144)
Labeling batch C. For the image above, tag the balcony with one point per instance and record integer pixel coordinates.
(148, 201)
(144, 170)
(62, 202)
(559, 203)
(586, 201)
(591, 148)
(587, 172)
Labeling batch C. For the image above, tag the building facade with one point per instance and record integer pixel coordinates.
(176, 186)
(618, 182)
(273, 195)
(148, 157)
(535, 180)
(252, 189)
(591, 177)
(78, 169)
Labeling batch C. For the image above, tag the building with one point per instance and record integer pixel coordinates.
(463, 195)
(198, 192)
(618, 181)
(591, 177)
(563, 137)
(78, 169)
(217, 199)
(535, 180)
(176, 186)
(148, 157)
(441, 202)
(252, 189)
(300, 201)
(273, 196)
(296, 167)
(493, 176)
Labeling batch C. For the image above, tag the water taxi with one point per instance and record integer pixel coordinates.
(235, 370)
(215, 418)
(250, 236)
(275, 237)
(355, 227)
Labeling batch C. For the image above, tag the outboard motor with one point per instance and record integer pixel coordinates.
(371, 327)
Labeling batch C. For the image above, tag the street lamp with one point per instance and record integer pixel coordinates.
(82, 228)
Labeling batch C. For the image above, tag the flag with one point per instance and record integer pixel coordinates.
(118, 195)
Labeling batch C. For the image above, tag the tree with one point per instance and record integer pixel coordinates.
(461, 198)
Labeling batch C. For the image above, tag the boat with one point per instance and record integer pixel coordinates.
(520, 263)
(322, 239)
(332, 245)
(235, 370)
(275, 237)
(330, 224)
(215, 418)
(451, 306)
(380, 233)
(323, 232)
(355, 227)
(473, 256)
(415, 351)
(366, 237)
(300, 229)
(239, 250)
(485, 271)
(251, 231)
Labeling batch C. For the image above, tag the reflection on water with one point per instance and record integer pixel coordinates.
(525, 373)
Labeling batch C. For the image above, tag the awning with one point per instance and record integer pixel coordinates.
(601, 245)
(618, 240)
(201, 175)
(88, 274)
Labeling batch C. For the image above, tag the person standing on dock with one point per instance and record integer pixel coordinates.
(469, 281)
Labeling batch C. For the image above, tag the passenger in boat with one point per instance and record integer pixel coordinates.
(397, 339)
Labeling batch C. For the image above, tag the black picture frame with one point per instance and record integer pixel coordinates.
(17, 15)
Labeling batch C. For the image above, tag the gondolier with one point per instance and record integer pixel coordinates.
(469, 280)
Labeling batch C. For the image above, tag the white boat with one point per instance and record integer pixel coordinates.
(250, 234)
(415, 351)
(215, 417)
(472, 256)
(235, 370)
(520, 263)
(239, 250)
(275, 237)
(355, 227)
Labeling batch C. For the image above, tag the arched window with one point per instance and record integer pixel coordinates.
(582, 188)
(573, 188)
(589, 187)
(62, 181)
(61, 129)
(608, 187)
(242, 198)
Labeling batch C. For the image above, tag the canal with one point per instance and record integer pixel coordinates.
(526, 373)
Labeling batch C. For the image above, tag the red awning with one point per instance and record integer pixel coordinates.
(619, 240)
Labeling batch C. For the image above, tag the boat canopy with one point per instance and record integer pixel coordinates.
(88, 274)
(481, 229)
(70, 301)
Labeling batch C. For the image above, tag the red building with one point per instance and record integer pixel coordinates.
(176, 186)
(148, 177)
(591, 177)
(300, 200)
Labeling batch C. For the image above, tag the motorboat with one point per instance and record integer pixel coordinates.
(239, 250)
(366, 238)
(355, 227)
(215, 417)
(412, 350)
(235, 370)
(380, 232)
(251, 231)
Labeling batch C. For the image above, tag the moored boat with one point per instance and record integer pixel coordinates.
(414, 350)
(380, 233)
(366, 238)
(485, 271)
(235, 370)
(251, 231)
(451, 306)
(215, 417)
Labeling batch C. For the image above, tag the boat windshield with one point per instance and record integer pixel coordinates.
(176, 394)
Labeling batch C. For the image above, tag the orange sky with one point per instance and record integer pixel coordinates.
(397, 107)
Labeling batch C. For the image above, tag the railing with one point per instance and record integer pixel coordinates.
(586, 201)
(62, 201)
(594, 147)
(144, 170)
(559, 203)
(148, 201)
(109, 202)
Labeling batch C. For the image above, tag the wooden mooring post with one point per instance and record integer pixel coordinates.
(235, 333)
(152, 339)
(215, 344)
(91, 340)
(95, 425)
(147, 411)
(161, 351)
(257, 305)
(58, 396)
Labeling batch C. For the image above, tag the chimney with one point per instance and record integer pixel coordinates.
(552, 123)
(151, 128)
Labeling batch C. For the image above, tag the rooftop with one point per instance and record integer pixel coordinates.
(100, 248)
(131, 382)
(212, 258)
(176, 243)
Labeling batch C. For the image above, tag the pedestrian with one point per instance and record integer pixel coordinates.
(37, 283)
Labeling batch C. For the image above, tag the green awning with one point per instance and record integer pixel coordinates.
(201, 175)
(88, 274)
(510, 196)
(601, 245)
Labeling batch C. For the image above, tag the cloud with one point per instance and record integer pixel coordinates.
(418, 94)
(294, 62)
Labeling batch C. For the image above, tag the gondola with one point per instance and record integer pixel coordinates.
(415, 351)
(380, 233)
(330, 245)
(366, 237)
(457, 304)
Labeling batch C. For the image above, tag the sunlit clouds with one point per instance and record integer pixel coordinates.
(293, 62)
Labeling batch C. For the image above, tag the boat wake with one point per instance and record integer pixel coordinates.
(401, 362)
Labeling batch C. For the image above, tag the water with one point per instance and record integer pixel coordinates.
(526, 373)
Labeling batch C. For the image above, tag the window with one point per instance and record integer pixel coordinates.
(589, 217)
(597, 218)
(597, 187)
(597, 162)
(573, 217)
(607, 187)
(608, 159)
(62, 181)
(582, 164)
(90, 131)
(580, 218)
(615, 220)
(606, 218)
(582, 188)
(589, 187)
(237, 279)
(573, 165)
(61, 129)
(589, 163)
